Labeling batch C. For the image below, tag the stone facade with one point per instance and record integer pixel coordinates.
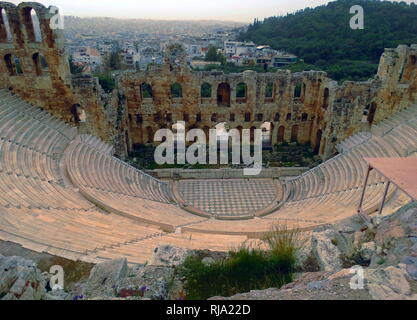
(35, 66)
(307, 107)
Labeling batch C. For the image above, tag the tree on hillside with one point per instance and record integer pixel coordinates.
(322, 36)
(115, 61)
(213, 55)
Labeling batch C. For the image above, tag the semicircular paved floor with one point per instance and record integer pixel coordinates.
(232, 198)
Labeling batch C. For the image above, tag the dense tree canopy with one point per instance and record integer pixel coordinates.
(322, 36)
(213, 55)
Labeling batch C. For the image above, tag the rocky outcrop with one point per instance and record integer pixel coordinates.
(148, 282)
(168, 256)
(324, 247)
(20, 280)
(104, 277)
(396, 240)
(382, 254)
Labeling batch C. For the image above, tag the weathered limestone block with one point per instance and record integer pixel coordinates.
(104, 277)
(20, 280)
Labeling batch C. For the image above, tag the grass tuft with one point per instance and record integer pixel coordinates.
(268, 264)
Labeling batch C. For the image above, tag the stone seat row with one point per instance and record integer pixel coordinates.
(400, 118)
(27, 192)
(353, 141)
(96, 143)
(89, 168)
(25, 131)
(26, 162)
(303, 214)
(141, 251)
(166, 216)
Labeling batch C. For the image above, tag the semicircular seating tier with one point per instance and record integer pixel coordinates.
(65, 194)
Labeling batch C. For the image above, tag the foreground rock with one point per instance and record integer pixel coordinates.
(168, 256)
(391, 283)
(20, 280)
(386, 252)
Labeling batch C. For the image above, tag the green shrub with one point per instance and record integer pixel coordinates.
(245, 268)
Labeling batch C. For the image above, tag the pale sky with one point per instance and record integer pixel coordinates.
(231, 10)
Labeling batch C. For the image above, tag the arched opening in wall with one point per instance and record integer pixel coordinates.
(289, 116)
(409, 68)
(78, 113)
(252, 134)
(269, 92)
(247, 117)
(281, 134)
(205, 90)
(267, 129)
(40, 64)
(5, 30)
(297, 90)
(149, 135)
(304, 117)
(294, 133)
(32, 25)
(232, 117)
(139, 119)
(146, 91)
(371, 114)
(260, 117)
(206, 132)
(317, 145)
(13, 65)
(223, 95)
(241, 92)
(176, 91)
(277, 117)
(326, 98)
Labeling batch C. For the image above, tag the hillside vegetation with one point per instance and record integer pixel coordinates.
(322, 36)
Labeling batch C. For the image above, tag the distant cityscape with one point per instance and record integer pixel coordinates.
(91, 42)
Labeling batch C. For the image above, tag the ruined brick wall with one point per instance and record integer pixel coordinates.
(35, 66)
(100, 107)
(306, 107)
